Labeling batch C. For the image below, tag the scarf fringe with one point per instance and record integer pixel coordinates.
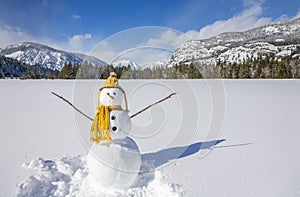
(100, 129)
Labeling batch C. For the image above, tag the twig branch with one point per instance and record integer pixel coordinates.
(152, 105)
(62, 98)
(65, 100)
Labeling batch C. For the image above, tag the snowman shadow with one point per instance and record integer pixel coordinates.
(152, 161)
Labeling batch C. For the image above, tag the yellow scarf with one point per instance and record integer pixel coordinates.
(100, 126)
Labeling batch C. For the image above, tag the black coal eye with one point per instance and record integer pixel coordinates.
(107, 93)
(115, 93)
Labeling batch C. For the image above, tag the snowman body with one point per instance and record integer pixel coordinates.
(120, 123)
(114, 164)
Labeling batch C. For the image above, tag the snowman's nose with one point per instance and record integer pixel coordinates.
(110, 96)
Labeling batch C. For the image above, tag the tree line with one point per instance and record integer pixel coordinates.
(252, 68)
(255, 68)
(260, 68)
(89, 71)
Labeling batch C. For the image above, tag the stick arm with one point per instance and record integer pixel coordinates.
(157, 102)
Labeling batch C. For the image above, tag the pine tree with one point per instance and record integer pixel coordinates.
(191, 71)
(146, 74)
(62, 73)
(281, 71)
(37, 75)
(171, 73)
(235, 70)
(1, 75)
(297, 68)
(105, 73)
(157, 72)
(74, 71)
(228, 73)
(118, 71)
(67, 72)
(180, 74)
(125, 73)
(222, 67)
(244, 71)
(288, 68)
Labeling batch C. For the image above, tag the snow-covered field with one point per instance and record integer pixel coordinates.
(214, 138)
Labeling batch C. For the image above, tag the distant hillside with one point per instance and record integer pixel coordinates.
(279, 40)
(11, 68)
(45, 56)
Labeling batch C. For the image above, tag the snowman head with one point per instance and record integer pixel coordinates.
(111, 96)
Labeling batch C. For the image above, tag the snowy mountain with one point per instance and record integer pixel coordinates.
(38, 54)
(155, 64)
(125, 63)
(12, 68)
(279, 39)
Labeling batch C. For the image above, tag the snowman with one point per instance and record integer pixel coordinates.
(114, 159)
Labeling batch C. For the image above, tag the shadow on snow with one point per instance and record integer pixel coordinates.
(161, 157)
(151, 161)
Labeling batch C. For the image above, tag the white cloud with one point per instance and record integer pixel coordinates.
(152, 48)
(143, 55)
(76, 42)
(76, 17)
(248, 19)
(10, 35)
(104, 51)
(286, 17)
(297, 16)
(250, 3)
(169, 39)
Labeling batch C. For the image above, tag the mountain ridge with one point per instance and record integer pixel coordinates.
(280, 39)
(33, 53)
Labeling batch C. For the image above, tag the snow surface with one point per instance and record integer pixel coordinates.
(240, 139)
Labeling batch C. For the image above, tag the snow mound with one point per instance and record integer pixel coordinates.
(67, 176)
(60, 177)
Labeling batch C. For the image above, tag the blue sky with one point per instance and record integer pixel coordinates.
(79, 25)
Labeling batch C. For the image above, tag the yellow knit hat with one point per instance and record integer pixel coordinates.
(112, 82)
